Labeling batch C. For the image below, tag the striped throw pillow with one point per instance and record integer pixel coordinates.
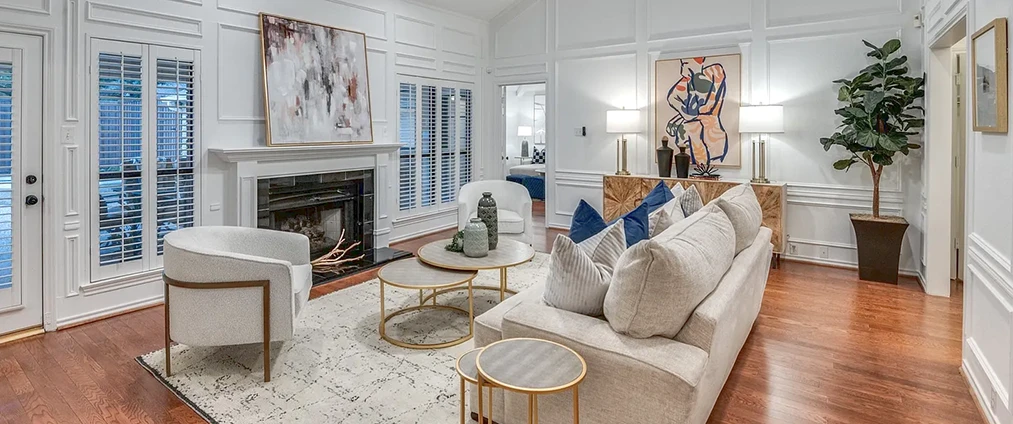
(580, 273)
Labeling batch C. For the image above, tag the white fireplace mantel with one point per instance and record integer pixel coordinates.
(244, 166)
(290, 153)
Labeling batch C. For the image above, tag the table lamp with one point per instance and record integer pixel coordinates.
(761, 120)
(622, 122)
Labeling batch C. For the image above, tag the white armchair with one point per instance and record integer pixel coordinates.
(513, 202)
(234, 285)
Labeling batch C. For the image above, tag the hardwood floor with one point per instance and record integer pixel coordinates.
(826, 348)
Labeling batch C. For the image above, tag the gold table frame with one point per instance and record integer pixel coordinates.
(384, 317)
(502, 289)
(484, 381)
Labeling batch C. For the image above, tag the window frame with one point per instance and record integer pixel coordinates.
(150, 260)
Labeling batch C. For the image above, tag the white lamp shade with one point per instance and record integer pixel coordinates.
(524, 132)
(761, 119)
(626, 121)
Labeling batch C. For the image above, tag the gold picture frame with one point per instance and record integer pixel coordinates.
(990, 102)
(366, 128)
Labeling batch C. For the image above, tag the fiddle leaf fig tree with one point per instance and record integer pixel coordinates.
(880, 113)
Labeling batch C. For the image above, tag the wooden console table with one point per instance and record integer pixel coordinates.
(623, 193)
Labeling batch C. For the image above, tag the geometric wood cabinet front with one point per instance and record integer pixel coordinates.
(623, 193)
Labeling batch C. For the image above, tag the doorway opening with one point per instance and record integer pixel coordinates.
(524, 143)
(959, 146)
(946, 134)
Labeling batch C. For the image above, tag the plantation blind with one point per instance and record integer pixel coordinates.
(434, 130)
(120, 102)
(407, 136)
(174, 145)
(145, 135)
(7, 114)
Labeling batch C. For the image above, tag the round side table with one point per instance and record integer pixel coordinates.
(468, 370)
(413, 275)
(532, 367)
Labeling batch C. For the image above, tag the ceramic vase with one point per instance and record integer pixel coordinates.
(476, 239)
(682, 162)
(488, 214)
(665, 159)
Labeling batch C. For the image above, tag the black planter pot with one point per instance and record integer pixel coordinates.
(879, 244)
(681, 162)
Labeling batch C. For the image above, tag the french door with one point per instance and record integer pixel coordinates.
(20, 182)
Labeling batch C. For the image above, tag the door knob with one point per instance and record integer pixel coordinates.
(31, 200)
(31, 179)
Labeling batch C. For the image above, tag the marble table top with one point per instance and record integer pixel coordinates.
(508, 253)
(531, 365)
(412, 274)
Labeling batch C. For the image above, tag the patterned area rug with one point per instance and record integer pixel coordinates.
(336, 368)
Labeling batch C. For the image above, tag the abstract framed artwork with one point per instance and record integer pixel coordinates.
(316, 83)
(697, 105)
(989, 59)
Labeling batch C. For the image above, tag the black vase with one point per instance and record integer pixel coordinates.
(665, 159)
(682, 162)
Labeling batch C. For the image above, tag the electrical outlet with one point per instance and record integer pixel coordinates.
(579, 132)
(824, 252)
(793, 249)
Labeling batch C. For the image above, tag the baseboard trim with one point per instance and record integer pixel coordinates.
(106, 313)
(975, 389)
(845, 265)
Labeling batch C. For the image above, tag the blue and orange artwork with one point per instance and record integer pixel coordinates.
(697, 106)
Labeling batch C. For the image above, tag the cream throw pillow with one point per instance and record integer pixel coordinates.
(659, 282)
(580, 273)
(742, 208)
(690, 201)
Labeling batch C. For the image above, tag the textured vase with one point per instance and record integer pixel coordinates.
(665, 159)
(476, 239)
(682, 162)
(488, 214)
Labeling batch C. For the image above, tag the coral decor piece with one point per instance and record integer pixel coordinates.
(334, 259)
(317, 83)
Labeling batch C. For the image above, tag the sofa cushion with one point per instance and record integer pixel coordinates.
(586, 222)
(658, 283)
(660, 220)
(742, 208)
(489, 325)
(579, 273)
(658, 197)
(636, 224)
(690, 201)
(677, 190)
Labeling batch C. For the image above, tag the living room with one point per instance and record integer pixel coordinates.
(735, 211)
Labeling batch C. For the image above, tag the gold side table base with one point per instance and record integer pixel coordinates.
(502, 292)
(384, 318)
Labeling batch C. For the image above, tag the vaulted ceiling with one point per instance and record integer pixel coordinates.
(481, 9)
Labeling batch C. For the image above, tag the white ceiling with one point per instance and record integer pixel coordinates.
(481, 9)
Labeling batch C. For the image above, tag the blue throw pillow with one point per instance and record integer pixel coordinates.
(635, 223)
(658, 197)
(586, 223)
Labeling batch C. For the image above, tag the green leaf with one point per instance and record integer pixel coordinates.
(868, 139)
(856, 112)
(890, 47)
(842, 81)
(916, 123)
(844, 164)
(872, 100)
(843, 94)
(895, 62)
(913, 146)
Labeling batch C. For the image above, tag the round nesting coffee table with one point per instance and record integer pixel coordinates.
(413, 275)
(468, 371)
(508, 253)
(532, 367)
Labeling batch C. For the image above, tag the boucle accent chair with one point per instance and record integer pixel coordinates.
(513, 202)
(229, 286)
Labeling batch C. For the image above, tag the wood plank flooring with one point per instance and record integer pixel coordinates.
(827, 348)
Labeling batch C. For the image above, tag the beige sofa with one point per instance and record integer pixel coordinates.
(629, 380)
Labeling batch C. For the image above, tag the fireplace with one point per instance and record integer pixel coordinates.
(329, 208)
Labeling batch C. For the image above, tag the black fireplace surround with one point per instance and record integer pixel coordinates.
(321, 206)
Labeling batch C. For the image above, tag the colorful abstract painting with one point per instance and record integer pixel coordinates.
(697, 105)
(316, 83)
